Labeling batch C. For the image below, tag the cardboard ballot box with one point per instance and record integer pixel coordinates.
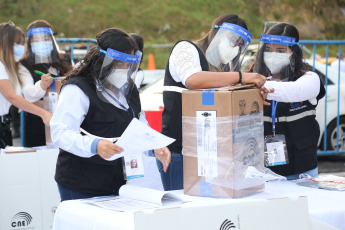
(223, 141)
(50, 101)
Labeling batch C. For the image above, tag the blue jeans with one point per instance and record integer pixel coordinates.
(173, 178)
(313, 173)
(68, 194)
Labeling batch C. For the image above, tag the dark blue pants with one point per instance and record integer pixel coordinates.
(173, 178)
(68, 194)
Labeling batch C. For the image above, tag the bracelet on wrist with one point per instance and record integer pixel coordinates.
(240, 78)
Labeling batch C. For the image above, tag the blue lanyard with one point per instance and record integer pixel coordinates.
(274, 108)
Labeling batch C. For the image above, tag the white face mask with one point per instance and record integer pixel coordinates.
(226, 52)
(18, 52)
(276, 61)
(42, 49)
(118, 77)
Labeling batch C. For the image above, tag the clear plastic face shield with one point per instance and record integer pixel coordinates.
(275, 57)
(227, 48)
(117, 77)
(42, 45)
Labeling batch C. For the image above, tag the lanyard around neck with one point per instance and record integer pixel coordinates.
(131, 116)
(274, 108)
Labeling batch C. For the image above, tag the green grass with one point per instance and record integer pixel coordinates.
(167, 21)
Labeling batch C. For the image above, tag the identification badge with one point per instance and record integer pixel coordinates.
(275, 150)
(133, 166)
(53, 100)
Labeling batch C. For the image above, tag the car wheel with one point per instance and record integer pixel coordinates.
(332, 135)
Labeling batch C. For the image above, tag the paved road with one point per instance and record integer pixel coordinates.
(334, 165)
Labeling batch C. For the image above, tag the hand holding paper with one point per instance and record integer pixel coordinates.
(106, 149)
(138, 137)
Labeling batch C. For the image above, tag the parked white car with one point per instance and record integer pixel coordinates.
(152, 98)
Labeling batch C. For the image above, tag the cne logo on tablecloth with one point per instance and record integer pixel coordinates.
(227, 225)
(21, 219)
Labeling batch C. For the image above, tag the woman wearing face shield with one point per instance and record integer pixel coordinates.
(213, 61)
(296, 92)
(97, 102)
(42, 54)
(11, 72)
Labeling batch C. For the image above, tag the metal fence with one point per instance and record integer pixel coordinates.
(74, 41)
(333, 128)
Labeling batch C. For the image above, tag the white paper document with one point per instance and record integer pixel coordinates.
(133, 198)
(139, 137)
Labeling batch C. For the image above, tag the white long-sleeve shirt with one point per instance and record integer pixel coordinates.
(70, 112)
(307, 87)
(32, 92)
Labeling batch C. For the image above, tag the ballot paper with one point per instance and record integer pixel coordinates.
(139, 137)
(329, 182)
(134, 198)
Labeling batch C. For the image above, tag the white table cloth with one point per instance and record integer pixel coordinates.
(323, 205)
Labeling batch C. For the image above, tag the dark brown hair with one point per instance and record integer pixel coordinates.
(114, 38)
(298, 67)
(205, 41)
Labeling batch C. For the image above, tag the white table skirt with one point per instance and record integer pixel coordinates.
(323, 205)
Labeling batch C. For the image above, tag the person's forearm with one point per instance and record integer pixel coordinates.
(39, 103)
(206, 80)
(25, 105)
(303, 89)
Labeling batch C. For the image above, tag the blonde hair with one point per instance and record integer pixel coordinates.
(8, 34)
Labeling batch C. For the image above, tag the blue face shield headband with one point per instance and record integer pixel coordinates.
(280, 40)
(243, 33)
(39, 30)
(117, 55)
